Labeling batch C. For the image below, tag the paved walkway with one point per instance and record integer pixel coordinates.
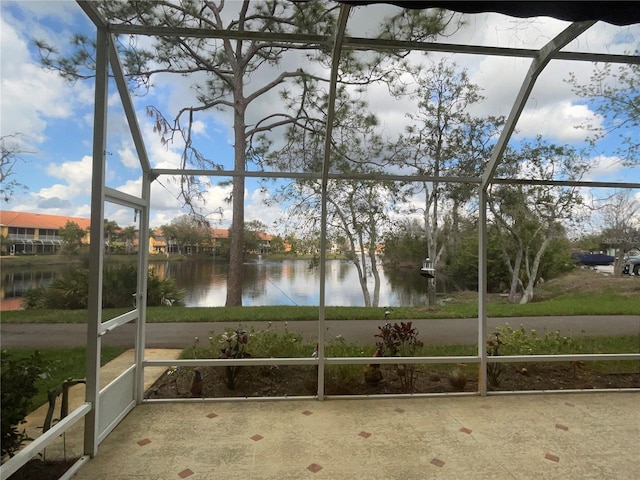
(543, 436)
(432, 331)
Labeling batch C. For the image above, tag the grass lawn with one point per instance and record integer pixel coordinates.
(569, 304)
(63, 364)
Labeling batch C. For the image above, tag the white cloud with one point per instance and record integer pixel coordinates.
(559, 121)
(28, 92)
(75, 173)
(128, 157)
(607, 168)
(268, 213)
(199, 127)
(61, 198)
(39, 10)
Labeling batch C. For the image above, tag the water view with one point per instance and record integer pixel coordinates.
(289, 282)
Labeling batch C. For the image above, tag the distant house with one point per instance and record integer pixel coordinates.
(35, 233)
(219, 236)
(264, 247)
(157, 242)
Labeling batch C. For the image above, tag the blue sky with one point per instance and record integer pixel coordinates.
(55, 118)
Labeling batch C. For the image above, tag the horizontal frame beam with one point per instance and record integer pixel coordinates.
(212, 362)
(361, 43)
(116, 196)
(315, 175)
(114, 323)
(565, 183)
(586, 357)
(391, 177)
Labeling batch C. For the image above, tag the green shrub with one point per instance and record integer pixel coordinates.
(344, 374)
(527, 342)
(163, 292)
(509, 341)
(272, 343)
(119, 285)
(34, 298)
(18, 378)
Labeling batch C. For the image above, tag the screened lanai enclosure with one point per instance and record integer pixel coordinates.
(353, 118)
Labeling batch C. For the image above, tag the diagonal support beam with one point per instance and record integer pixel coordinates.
(91, 9)
(127, 104)
(538, 64)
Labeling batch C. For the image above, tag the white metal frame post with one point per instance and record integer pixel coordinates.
(335, 64)
(482, 290)
(143, 265)
(96, 247)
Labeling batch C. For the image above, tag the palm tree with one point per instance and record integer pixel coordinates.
(110, 229)
(129, 234)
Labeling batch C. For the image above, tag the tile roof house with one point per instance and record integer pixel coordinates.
(31, 233)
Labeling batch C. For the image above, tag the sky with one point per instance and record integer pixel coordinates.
(54, 118)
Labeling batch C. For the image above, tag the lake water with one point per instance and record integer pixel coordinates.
(290, 282)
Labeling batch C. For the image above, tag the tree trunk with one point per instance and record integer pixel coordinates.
(431, 292)
(527, 294)
(362, 278)
(236, 249)
(515, 279)
(376, 278)
(431, 231)
(362, 275)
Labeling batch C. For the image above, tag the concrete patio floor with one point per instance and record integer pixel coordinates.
(542, 436)
(509, 437)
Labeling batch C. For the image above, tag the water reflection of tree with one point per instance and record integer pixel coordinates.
(409, 287)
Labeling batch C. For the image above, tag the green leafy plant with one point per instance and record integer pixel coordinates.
(343, 374)
(400, 340)
(372, 372)
(509, 341)
(494, 370)
(18, 378)
(34, 298)
(521, 341)
(71, 290)
(271, 342)
(236, 342)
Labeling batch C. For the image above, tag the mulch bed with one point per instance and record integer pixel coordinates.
(272, 381)
(37, 469)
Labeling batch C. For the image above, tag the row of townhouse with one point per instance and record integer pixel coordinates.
(37, 233)
(158, 244)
